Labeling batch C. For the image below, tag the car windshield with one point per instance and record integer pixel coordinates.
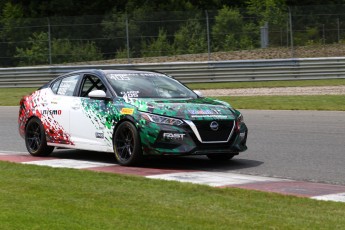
(148, 85)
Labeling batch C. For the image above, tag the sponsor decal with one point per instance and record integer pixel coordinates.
(174, 136)
(128, 77)
(99, 135)
(203, 112)
(128, 111)
(51, 112)
(150, 74)
(119, 77)
(211, 116)
(130, 93)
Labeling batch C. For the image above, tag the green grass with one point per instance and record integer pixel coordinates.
(315, 102)
(33, 197)
(12, 96)
(266, 84)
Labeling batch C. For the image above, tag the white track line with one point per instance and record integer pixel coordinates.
(215, 179)
(338, 197)
(4, 153)
(68, 163)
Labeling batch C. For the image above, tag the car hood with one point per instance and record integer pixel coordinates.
(191, 109)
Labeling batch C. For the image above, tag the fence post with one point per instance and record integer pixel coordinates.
(208, 36)
(291, 34)
(338, 28)
(127, 38)
(287, 33)
(264, 35)
(323, 35)
(49, 43)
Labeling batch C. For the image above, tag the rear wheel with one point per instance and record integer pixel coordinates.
(127, 146)
(221, 156)
(35, 139)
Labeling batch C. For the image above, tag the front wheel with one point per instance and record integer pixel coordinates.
(127, 146)
(35, 139)
(221, 156)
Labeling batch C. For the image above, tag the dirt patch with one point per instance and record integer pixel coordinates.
(333, 50)
(315, 90)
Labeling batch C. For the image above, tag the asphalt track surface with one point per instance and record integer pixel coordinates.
(297, 145)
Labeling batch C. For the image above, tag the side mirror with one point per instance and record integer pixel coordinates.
(97, 94)
(197, 92)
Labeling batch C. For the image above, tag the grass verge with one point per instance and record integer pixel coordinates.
(12, 96)
(314, 102)
(33, 197)
(267, 84)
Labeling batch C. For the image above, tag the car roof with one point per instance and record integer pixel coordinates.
(112, 71)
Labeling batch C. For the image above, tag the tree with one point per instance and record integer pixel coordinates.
(313, 2)
(271, 11)
(231, 32)
(190, 38)
(11, 19)
(50, 8)
(274, 13)
(157, 47)
(65, 51)
(37, 52)
(114, 30)
(62, 51)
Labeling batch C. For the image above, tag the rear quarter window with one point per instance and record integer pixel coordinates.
(65, 86)
(55, 86)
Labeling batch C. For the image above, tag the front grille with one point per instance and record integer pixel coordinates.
(222, 134)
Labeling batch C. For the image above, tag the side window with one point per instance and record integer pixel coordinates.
(91, 83)
(67, 85)
(55, 86)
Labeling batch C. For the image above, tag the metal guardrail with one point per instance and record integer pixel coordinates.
(194, 72)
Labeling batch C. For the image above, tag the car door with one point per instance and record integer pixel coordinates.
(57, 109)
(87, 120)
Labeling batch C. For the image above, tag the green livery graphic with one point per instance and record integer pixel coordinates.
(131, 113)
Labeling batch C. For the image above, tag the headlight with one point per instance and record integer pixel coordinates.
(239, 121)
(240, 118)
(161, 119)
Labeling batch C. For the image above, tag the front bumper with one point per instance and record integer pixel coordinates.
(187, 139)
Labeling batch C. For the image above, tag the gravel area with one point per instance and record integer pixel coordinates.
(315, 90)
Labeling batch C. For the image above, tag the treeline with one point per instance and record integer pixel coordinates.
(59, 31)
(50, 8)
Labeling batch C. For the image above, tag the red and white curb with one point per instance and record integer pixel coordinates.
(318, 191)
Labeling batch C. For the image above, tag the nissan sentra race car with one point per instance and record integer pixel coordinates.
(130, 113)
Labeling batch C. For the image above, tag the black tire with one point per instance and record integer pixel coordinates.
(127, 146)
(221, 156)
(35, 139)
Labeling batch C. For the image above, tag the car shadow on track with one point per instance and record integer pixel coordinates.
(200, 163)
(167, 162)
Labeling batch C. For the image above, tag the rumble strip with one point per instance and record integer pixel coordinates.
(318, 191)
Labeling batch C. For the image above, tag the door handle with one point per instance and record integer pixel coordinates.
(75, 107)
